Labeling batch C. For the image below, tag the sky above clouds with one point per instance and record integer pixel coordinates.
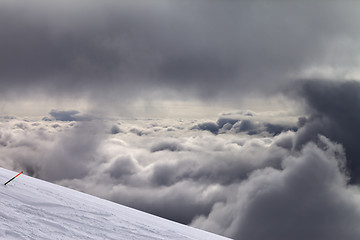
(237, 117)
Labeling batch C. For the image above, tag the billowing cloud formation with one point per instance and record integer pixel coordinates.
(308, 198)
(120, 49)
(334, 112)
(239, 185)
(242, 175)
(245, 122)
(43, 150)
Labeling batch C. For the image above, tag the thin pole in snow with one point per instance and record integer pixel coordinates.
(13, 178)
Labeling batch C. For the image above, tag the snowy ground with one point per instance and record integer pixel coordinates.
(35, 209)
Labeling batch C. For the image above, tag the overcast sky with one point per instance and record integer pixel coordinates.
(230, 116)
(113, 53)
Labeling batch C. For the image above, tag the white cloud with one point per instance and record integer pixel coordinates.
(231, 184)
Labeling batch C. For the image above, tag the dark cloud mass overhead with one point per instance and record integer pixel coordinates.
(127, 48)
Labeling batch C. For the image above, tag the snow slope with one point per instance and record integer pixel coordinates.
(34, 209)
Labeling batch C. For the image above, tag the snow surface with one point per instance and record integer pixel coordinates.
(35, 209)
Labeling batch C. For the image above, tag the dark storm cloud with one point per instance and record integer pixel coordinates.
(307, 199)
(123, 48)
(334, 112)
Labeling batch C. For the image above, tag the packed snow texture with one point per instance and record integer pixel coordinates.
(35, 209)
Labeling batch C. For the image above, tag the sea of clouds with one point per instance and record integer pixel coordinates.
(242, 175)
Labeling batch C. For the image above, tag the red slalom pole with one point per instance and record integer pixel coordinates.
(13, 178)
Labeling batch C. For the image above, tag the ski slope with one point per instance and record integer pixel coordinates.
(34, 209)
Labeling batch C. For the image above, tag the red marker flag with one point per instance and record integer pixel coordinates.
(13, 178)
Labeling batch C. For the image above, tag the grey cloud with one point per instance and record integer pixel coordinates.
(245, 123)
(71, 115)
(207, 126)
(140, 132)
(115, 129)
(302, 121)
(285, 140)
(220, 167)
(127, 49)
(231, 184)
(53, 153)
(169, 145)
(167, 177)
(80, 153)
(170, 202)
(223, 121)
(8, 117)
(276, 129)
(74, 153)
(122, 166)
(333, 109)
(245, 126)
(301, 201)
(47, 119)
(22, 126)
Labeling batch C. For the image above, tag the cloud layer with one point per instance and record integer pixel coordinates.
(234, 183)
